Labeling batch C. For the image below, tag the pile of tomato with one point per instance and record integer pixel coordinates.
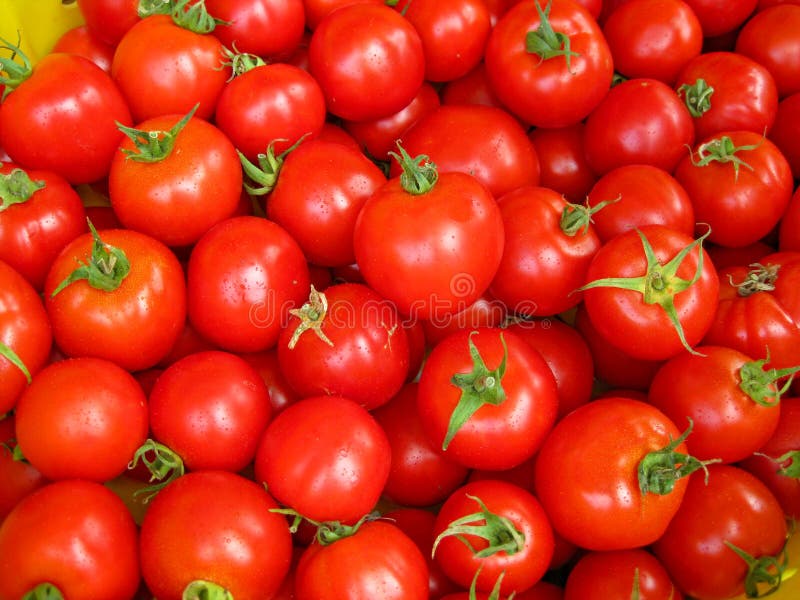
(354, 299)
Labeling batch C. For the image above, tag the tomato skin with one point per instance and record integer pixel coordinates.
(67, 432)
(366, 71)
(562, 164)
(598, 446)
(729, 73)
(248, 20)
(267, 366)
(728, 424)
(317, 10)
(275, 102)
(642, 330)
(484, 141)
(72, 95)
(80, 40)
(420, 474)
(351, 568)
(770, 38)
(653, 38)
(211, 409)
(524, 567)
(321, 470)
(785, 132)
(718, 17)
(740, 209)
(733, 506)
(655, 132)
(542, 264)
(498, 436)
(647, 195)
(177, 199)
(109, 19)
(178, 67)
(613, 574)
(320, 212)
(19, 477)
(434, 254)
(549, 93)
(135, 325)
(214, 525)
(243, 277)
(77, 535)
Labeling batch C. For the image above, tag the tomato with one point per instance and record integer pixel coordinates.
(614, 453)
(487, 398)
(176, 189)
(243, 277)
(81, 40)
(472, 88)
(640, 121)
(266, 28)
(718, 17)
(432, 249)
(740, 185)
(125, 302)
(81, 418)
(212, 527)
(731, 510)
(321, 470)
(71, 95)
(653, 38)
(770, 38)
(486, 311)
(550, 65)
(549, 244)
(634, 573)
(731, 398)
(349, 568)
(18, 476)
(562, 164)
(420, 473)
(639, 195)
(320, 212)
(76, 535)
(484, 141)
(711, 85)
(316, 10)
(266, 364)
(39, 214)
(109, 19)
(277, 104)
(788, 239)
(567, 354)
(652, 292)
(366, 71)
(774, 463)
(453, 34)
(487, 528)
(178, 66)
(785, 133)
(25, 335)
(211, 409)
(379, 136)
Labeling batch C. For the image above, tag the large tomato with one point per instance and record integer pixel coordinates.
(549, 64)
(121, 297)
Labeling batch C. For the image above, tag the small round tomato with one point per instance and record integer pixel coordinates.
(317, 467)
(718, 17)
(785, 132)
(81, 418)
(81, 40)
(18, 476)
(75, 535)
(211, 528)
(562, 163)
(109, 19)
(266, 28)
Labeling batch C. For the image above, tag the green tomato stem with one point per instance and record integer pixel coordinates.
(7, 353)
(15, 73)
(44, 591)
(762, 570)
(547, 43)
(697, 97)
(153, 146)
(165, 466)
(200, 589)
(17, 187)
(419, 173)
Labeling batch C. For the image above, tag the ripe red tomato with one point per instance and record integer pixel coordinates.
(487, 398)
(487, 528)
(127, 303)
(81, 40)
(18, 476)
(214, 527)
(366, 72)
(732, 509)
(785, 132)
(323, 471)
(721, 16)
(562, 164)
(266, 28)
(243, 277)
(550, 65)
(609, 451)
(653, 38)
(179, 67)
(350, 568)
(76, 535)
(639, 121)
(68, 432)
(193, 183)
(109, 19)
(69, 94)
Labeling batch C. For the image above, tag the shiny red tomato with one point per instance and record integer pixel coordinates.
(18, 476)
(562, 164)
(785, 132)
(109, 19)
(266, 28)
(85, 42)
(718, 17)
